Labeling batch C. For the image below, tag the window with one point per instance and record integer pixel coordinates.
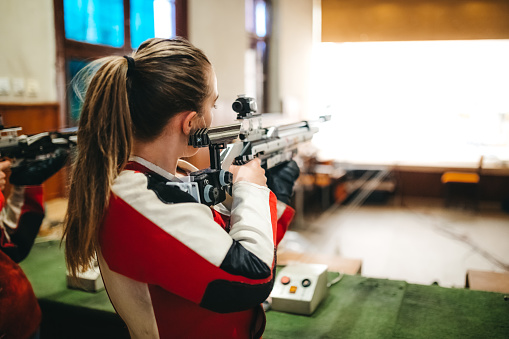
(258, 26)
(152, 19)
(90, 29)
(413, 102)
(95, 21)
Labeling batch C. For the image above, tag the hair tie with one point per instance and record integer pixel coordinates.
(130, 65)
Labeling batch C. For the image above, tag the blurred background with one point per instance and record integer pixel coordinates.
(415, 89)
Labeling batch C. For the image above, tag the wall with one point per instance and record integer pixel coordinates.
(28, 49)
(296, 40)
(218, 28)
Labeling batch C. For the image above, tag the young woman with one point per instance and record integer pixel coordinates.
(172, 267)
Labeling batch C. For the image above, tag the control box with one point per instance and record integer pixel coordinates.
(299, 288)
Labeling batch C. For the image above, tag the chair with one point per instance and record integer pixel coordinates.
(462, 187)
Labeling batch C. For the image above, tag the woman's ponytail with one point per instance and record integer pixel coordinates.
(104, 145)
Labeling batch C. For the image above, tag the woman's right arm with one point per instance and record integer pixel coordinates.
(150, 237)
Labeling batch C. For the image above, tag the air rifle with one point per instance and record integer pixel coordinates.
(239, 143)
(33, 147)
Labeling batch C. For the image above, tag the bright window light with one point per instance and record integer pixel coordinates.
(261, 19)
(413, 102)
(163, 23)
(151, 18)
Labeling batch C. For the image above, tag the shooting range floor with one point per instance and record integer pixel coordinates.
(417, 241)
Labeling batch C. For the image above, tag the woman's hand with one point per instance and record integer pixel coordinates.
(3, 166)
(281, 179)
(251, 172)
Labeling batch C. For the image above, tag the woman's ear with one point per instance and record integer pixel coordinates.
(187, 122)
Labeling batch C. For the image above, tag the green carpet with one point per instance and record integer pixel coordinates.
(356, 307)
(361, 307)
(45, 267)
(436, 312)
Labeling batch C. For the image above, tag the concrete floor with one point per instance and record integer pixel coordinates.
(417, 240)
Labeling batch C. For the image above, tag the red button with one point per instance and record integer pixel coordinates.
(285, 280)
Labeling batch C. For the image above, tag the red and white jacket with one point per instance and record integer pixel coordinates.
(174, 268)
(20, 219)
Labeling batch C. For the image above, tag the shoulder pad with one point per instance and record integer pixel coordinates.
(171, 192)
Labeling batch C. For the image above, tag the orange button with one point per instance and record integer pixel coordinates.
(293, 289)
(285, 280)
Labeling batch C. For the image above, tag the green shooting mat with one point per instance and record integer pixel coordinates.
(356, 307)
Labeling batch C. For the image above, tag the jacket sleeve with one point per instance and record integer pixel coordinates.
(285, 214)
(150, 237)
(20, 221)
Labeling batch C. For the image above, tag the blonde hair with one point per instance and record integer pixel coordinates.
(123, 102)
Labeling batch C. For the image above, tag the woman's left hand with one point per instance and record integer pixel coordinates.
(3, 166)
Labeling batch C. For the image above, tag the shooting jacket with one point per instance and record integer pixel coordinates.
(174, 268)
(20, 219)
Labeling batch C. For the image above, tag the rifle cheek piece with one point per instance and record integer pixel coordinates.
(214, 182)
